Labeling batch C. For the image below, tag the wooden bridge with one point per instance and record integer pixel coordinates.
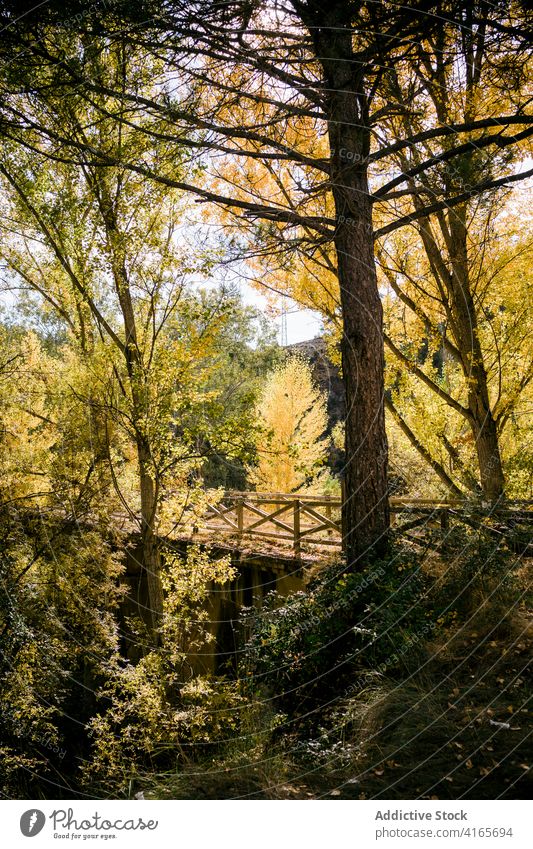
(298, 527)
(301, 521)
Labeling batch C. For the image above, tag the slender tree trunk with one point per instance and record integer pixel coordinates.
(150, 544)
(366, 516)
(454, 228)
(481, 418)
(149, 500)
(139, 414)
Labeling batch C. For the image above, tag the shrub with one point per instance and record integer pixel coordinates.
(58, 591)
(308, 647)
(151, 714)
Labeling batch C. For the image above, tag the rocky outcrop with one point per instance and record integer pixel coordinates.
(325, 374)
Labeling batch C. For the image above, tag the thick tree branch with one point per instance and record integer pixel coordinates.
(450, 130)
(478, 144)
(422, 450)
(414, 369)
(449, 203)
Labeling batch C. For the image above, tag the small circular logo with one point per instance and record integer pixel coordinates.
(32, 822)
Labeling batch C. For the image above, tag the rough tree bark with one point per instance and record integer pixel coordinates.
(366, 509)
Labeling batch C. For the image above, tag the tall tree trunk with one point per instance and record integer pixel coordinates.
(366, 516)
(366, 508)
(454, 228)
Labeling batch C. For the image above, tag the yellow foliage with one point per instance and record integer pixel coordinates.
(293, 412)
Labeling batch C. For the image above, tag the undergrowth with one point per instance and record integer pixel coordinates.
(405, 680)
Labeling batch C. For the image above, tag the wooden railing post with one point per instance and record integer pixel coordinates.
(444, 519)
(343, 529)
(328, 516)
(297, 530)
(240, 517)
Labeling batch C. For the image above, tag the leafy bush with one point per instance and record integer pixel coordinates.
(69, 696)
(58, 591)
(312, 644)
(150, 714)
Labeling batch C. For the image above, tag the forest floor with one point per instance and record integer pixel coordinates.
(458, 728)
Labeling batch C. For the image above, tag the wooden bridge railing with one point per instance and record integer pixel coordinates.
(316, 519)
(278, 516)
